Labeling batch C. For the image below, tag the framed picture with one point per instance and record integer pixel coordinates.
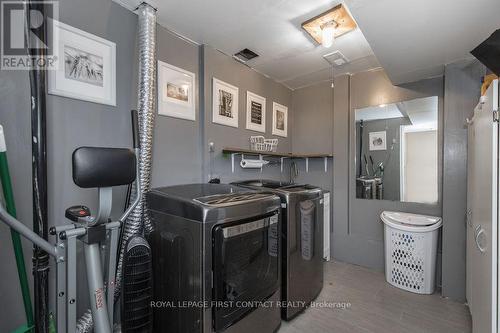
(224, 103)
(280, 119)
(86, 66)
(256, 112)
(377, 140)
(176, 92)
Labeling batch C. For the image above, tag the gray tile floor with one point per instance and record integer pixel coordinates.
(376, 306)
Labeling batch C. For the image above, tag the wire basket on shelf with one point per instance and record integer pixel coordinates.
(259, 143)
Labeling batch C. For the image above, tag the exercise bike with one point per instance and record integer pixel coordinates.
(93, 167)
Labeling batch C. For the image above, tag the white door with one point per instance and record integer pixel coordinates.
(421, 166)
(484, 216)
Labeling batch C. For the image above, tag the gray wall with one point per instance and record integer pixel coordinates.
(180, 150)
(462, 83)
(177, 151)
(324, 120)
(72, 123)
(222, 67)
(179, 154)
(313, 119)
(312, 133)
(357, 231)
(363, 242)
(14, 117)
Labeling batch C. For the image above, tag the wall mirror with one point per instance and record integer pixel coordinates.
(396, 155)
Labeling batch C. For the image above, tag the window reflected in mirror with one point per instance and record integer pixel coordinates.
(397, 151)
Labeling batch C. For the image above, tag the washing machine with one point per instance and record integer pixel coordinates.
(216, 259)
(302, 242)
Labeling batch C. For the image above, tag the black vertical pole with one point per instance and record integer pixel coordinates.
(36, 49)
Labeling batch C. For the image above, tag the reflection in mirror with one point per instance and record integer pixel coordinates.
(397, 151)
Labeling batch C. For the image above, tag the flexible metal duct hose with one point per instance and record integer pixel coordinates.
(85, 323)
(137, 291)
(146, 107)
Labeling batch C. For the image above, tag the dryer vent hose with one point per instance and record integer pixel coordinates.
(138, 221)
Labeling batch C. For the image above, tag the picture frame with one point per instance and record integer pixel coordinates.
(280, 120)
(378, 140)
(224, 103)
(256, 112)
(86, 66)
(176, 97)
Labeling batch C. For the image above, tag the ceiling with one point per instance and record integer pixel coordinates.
(378, 112)
(422, 112)
(411, 40)
(272, 29)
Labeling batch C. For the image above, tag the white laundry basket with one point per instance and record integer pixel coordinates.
(410, 250)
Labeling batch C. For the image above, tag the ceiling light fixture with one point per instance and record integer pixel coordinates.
(328, 33)
(321, 26)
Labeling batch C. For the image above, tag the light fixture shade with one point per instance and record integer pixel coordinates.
(328, 35)
(338, 15)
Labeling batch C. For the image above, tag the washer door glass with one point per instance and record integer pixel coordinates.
(245, 267)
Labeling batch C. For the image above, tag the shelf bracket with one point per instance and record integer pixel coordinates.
(307, 164)
(326, 163)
